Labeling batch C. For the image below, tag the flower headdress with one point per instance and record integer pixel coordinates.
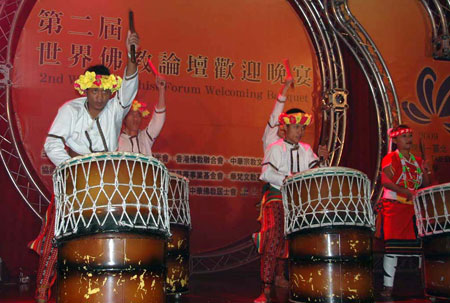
(138, 106)
(296, 118)
(91, 80)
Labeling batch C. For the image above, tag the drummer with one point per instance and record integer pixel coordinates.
(84, 125)
(402, 174)
(282, 159)
(132, 139)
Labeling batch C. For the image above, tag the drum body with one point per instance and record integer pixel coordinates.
(111, 227)
(112, 267)
(329, 224)
(178, 256)
(432, 208)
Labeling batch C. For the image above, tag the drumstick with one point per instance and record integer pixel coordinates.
(155, 72)
(131, 26)
(422, 149)
(287, 66)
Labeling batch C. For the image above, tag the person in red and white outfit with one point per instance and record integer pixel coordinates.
(402, 174)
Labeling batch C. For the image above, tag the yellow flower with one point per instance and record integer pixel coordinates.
(136, 105)
(89, 80)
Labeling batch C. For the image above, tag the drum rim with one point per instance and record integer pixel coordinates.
(175, 176)
(321, 171)
(158, 232)
(106, 156)
(329, 229)
(434, 188)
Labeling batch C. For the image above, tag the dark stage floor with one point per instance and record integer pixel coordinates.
(242, 285)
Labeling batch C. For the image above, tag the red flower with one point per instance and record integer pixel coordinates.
(292, 120)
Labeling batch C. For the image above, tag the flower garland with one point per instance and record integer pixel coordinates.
(297, 118)
(407, 172)
(91, 80)
(138, 106)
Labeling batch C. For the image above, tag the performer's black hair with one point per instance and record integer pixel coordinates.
(99, 70)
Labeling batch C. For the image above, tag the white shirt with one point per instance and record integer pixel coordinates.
(142, 143)
(271, 130)
(285, 159)
(73, 125)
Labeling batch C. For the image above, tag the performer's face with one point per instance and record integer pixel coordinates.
(97, 98)
(133, 120)
(294, 132)
(404, 141)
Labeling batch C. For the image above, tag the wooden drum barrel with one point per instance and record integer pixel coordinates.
(112, 267)
(329, 225)
(432, 208)
(112, 225)
(178, 246)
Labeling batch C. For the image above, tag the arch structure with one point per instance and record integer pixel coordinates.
(439, 13)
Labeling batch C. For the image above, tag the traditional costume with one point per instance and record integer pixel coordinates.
(142, 143)
(74, 127)
(398, 227)
(281, 159)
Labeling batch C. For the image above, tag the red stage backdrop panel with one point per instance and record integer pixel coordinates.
(223, 64)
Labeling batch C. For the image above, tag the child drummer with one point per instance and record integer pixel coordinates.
(132, 139)
(282, 159)
(402, 174)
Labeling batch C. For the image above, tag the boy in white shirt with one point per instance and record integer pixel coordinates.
(283, 158)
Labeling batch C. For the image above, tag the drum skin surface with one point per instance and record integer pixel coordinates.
(331, 265)
(113, 268)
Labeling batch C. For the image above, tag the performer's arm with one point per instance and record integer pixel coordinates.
(270, 167)
(128, 90)
(426, 181)
(132, 39)
(58, 134)
(159, 116)
(271, 130)
(387, 174)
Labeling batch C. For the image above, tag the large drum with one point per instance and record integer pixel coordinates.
(329, 224)
(432, 208)
(112, 225)
(178, 246)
